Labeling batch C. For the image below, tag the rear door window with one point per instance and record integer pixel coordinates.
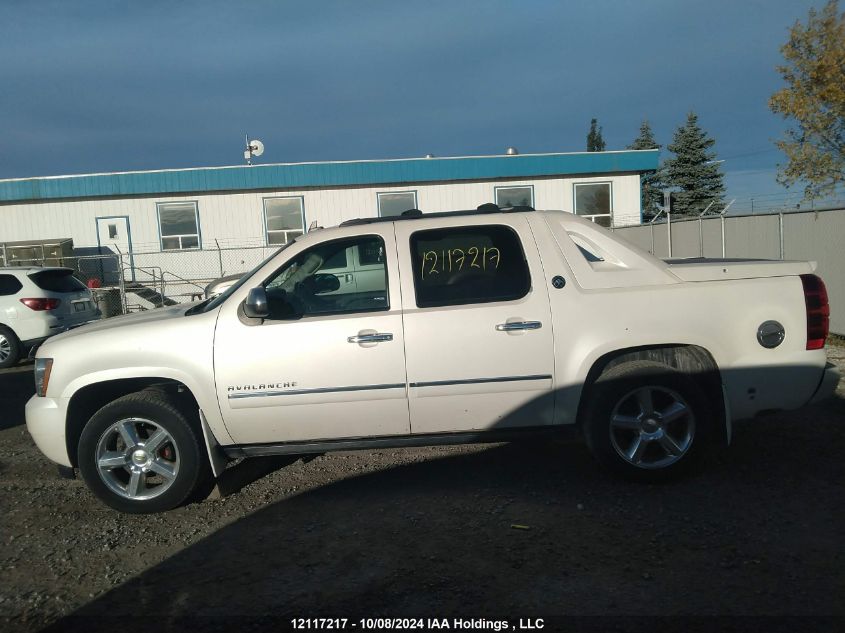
(57, 281)
(470, 264)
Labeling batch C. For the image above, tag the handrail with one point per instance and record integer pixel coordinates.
(161, 277)
(147, 268)
(183, 280)
(158, 283)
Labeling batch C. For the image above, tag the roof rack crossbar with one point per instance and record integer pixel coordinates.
(416, 214)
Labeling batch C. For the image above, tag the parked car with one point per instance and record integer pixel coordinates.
(36, 303)
(221, 285)
(434, 329)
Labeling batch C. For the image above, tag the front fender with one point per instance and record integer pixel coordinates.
(206, 397)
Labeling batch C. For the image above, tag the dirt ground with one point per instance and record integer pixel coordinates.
(431, 532)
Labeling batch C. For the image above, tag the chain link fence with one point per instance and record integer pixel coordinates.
(133, 282)
(171, 277)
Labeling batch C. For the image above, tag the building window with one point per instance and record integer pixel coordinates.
(284, 219)
(394, 204)
(507, 197)
(178, 225)
(594, 201)
(470, 264)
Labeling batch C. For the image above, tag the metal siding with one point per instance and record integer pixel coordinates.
(818, 237)
(752, 236)
(325, 175)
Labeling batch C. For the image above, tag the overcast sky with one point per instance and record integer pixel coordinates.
(115, 86)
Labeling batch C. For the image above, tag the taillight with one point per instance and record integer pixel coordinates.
(818, 311)
(41, 303)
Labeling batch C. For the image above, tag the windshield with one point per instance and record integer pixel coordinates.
(210, 304)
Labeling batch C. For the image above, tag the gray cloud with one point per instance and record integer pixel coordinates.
(104, 86)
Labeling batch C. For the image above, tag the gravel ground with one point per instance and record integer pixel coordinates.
(473, 531)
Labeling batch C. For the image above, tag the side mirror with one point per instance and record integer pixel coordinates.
(256, 306)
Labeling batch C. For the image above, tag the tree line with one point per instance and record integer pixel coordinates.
(692, 174)
(813, 101)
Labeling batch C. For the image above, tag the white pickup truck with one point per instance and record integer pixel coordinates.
(437, 328)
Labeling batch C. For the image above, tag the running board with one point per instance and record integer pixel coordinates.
(400, 441)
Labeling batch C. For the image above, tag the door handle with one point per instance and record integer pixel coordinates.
(378, 337)
(518, 325)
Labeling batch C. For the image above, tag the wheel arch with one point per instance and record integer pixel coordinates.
(89, 399)
(694, 360)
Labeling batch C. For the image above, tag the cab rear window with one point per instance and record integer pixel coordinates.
(470, 264)
(57, 281)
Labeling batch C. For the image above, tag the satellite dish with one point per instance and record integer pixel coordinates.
(253, 148)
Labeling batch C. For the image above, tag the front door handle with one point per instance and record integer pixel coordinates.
(518, 325)
(378, 337)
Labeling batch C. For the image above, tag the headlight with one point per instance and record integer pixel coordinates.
(42, 375)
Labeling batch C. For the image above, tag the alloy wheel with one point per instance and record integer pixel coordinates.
(137, 459)
(5, 348)
(652, 427)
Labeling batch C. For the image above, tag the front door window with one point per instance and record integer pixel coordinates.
(325, 280)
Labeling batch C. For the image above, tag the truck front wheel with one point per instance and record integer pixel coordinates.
(646, 421)
(140, 454)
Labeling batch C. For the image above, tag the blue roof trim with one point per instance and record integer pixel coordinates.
(302, 175)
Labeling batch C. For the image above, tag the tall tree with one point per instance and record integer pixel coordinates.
(651, 182)
(595, 142)
(814, 99)
(646, 139)
(693, 171)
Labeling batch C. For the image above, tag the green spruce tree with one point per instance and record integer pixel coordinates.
(651, 182)
(646, 138)
(595, 142)
(693, 171)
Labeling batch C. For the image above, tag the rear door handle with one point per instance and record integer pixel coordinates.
(378, 337)
(519, 325)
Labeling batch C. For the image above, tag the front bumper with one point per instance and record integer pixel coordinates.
(828, 384)
(45, 421)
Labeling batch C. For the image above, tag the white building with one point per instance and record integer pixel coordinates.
(214, 210)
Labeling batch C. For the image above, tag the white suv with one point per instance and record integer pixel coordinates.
(36, 303)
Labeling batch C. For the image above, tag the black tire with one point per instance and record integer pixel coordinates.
(11, 345)
(182, 452)
(668, 442)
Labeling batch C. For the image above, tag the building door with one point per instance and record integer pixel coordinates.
(113, 238)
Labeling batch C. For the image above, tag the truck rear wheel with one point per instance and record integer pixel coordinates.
(647, 421)
(140, 454)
